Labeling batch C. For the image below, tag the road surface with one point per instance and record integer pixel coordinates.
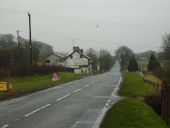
(77, 104)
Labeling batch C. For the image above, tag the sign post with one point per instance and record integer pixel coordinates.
(3, 86)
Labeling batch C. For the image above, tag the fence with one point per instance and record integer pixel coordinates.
(155, 85)
(166, 103)
(163, 102)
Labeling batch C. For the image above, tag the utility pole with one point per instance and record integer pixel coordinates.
(18, 37)
(100, 61)
(30, 43)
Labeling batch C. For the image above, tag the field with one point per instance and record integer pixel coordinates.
(153, 79)
(134, 86)
(143, 64)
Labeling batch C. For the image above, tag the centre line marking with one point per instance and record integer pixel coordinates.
(96, 80)
(37, 110)
(5, 126)
(63, 97)
(77, 90)
(87, 85)
(92, 83)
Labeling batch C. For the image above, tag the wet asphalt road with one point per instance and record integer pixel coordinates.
(78, 104)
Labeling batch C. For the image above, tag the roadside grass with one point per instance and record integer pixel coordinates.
(25, 85)
(134, 86)
(132, 113)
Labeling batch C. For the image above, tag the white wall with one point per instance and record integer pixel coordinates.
(76, 61)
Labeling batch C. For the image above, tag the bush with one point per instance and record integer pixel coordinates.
(34, 70)
(39, 70)
(133, 65)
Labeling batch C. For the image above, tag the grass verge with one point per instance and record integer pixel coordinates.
(25, 85)
(132, 113)
(134, 86)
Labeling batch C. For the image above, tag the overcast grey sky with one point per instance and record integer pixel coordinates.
(138, 24)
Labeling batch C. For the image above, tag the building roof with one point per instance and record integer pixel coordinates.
(56, 54)
(80, 54)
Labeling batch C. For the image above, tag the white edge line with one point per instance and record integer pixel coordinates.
(97, 123)
(77, 90)
(117, 85)
(5, 126)
(37, 110)
(63, 97)
(105, 109)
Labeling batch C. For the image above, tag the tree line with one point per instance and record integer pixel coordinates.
(15, 58)
(158, 65)
(103, 60)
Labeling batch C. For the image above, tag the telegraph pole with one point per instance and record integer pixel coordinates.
(100, 61)
(18, 38)
(30, 43)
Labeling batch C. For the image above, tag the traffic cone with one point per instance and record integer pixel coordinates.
(10, 87)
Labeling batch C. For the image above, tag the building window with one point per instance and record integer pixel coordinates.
(81, 56)
(71, 57)
(47, 61)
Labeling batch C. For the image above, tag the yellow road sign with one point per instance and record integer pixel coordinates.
(3, 86)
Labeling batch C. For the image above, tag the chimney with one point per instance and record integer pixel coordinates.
(76, 48)
(81, 50)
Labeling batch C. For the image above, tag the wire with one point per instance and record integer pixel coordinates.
(91, 41)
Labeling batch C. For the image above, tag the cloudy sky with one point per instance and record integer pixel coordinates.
(108, 24)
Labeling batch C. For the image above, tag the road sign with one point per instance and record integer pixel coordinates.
(55, 77)
(3, 86)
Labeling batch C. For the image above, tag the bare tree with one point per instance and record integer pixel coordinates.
(166, 46)
(124, 54)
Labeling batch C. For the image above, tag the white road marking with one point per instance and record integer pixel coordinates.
(92, 82)
(77, 90)
(63, 97)
(117, 86)
(37, 110)
(87, 85)
(5, 126)
(107, 104)
(106, 108)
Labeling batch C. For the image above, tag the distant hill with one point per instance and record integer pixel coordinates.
(10, 41)
(145, 55)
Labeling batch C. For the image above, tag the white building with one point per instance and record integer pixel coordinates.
(54, 60)
(80, 62)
